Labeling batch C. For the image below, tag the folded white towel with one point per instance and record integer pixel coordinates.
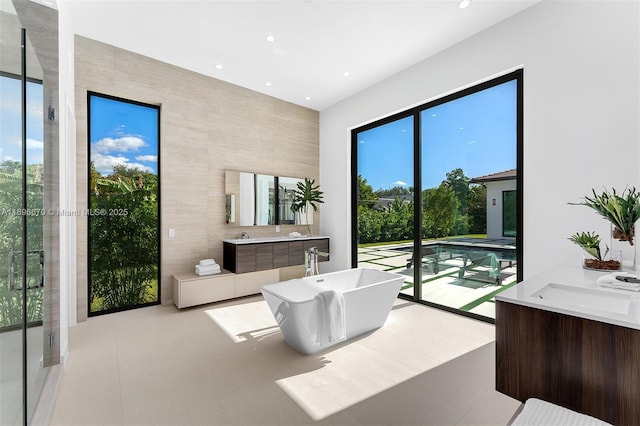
(331, 318)
(611, 278)
(207, 262)
(205, 270)
(215, 267)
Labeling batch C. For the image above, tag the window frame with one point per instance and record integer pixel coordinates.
(158, 109)
(517, 76)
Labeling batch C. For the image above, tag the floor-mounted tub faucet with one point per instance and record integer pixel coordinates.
(311, 261)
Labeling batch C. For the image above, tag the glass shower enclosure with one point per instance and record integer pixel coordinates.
(22, 258)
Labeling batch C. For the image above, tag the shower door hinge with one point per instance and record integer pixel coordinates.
(52, 339)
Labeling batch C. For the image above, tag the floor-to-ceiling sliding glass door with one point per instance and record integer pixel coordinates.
(22, 258)
(469, 145)
(384, 228)
(438, 196)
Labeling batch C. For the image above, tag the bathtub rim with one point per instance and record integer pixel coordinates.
(393, 276)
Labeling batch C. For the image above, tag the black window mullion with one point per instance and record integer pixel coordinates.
(417, 207)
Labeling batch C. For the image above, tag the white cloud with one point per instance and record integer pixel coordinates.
(104, 163)
(123, 144)
(400, 183)
(35, 145)
(148, 158)
(140, 167)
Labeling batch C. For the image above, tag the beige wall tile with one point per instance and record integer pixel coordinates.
(207, 126)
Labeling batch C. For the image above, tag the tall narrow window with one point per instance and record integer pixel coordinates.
(464, 216)
(124, 221)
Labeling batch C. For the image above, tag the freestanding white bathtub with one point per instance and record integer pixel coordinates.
(368, 296)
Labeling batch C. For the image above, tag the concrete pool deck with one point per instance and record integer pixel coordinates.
(473, 293)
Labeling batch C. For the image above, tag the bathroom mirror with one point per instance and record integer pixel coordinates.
(250, 198)
(286, 186)
(256, 200)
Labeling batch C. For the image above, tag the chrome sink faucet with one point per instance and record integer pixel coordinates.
(311, 261)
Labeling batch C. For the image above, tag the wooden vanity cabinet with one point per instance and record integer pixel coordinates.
(264, 257)
(281, 255)
(260, 256)
(587, 366)
(245, 258)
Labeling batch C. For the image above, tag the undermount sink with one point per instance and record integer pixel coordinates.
(585, 298)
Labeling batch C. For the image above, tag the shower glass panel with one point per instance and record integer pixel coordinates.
(21, 223)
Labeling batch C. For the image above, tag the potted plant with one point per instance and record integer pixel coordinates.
(622, 211)
(306, 195)
(594, 259)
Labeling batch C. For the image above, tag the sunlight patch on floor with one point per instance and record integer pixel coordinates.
(245, 321)
(362, 367)
(393, 354)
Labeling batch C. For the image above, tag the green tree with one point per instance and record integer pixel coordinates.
(395, 191)
(397, 220)
(477, 209)
(124, 239)
(459, 183)
(367, 199)
(392, 223)
(439, 210)
(11, 226)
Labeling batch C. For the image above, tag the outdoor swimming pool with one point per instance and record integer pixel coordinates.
(463, 274)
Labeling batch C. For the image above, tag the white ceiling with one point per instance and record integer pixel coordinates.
(316, 41)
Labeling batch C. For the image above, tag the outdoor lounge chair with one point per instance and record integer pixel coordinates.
(488, 261)
(430, 256)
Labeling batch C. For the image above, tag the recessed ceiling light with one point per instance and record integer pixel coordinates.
(218, 66)
(462, 4)
(346, 74)
(268, 83)
(270, 38)
(308, 98)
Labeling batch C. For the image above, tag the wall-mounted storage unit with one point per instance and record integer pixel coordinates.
(260, 254)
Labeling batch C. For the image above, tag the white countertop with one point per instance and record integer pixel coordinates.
(274, 239)
(570, 278)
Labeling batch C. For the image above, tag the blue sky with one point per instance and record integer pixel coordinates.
(476, 133)
(11, 125)
(123, 133)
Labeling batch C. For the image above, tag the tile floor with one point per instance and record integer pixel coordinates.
(227, 364)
